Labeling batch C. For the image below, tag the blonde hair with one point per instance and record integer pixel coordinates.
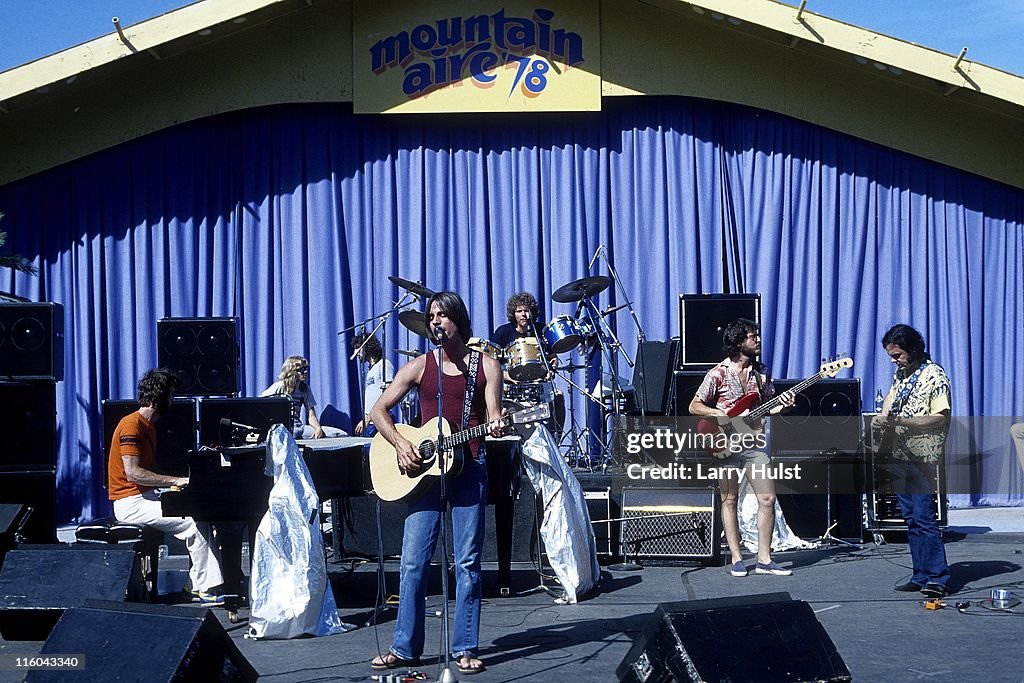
(290, 370)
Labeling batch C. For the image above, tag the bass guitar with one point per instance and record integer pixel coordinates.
(390, 483)
(741, 419)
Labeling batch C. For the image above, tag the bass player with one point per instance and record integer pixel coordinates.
(740, 374)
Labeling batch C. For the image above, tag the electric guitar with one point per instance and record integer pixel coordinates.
(390, 483)
(740, 419)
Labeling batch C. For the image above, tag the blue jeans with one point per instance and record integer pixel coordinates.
(467, 496)
(912, 482)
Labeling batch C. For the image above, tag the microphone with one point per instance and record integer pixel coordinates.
(594, 259)
(226, 422)
(439, 334)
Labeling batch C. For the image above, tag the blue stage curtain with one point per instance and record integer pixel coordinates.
(292, 217)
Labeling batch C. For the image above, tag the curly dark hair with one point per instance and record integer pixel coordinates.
(908, 339)
(452, 305)
(373, 350)
(521, 299)
(735, 333)
(156, 387)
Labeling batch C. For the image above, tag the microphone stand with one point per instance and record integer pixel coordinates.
(447, 675)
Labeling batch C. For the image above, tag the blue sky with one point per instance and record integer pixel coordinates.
(991, 29)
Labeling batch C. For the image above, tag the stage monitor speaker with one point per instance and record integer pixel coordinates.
(32, 341)
(261, 413)
(203, 352)
(36, 489)
(175, 432)
(153, 643)
(747, 638)
(826, 416)
(703, 317)
(687, 383)
(652, 376)
(37, 583)
(670, 523)
(28, 421)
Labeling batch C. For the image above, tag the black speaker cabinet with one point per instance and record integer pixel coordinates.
(599, 506)
(260, 413)
(175, 432)
(669, 523)
(768, 637)
(37, 583)
(652, 376)
(203, 352)
(36, 489)
(702, 319)
(826, 415)
(687, 383)
(28, 421)
(154, 643)
(32, 341)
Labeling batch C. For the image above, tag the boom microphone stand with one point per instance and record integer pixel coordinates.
(447, 675)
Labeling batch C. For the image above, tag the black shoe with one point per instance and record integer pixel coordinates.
(934, 590)
(908, 587)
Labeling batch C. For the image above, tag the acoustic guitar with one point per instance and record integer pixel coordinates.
(741, 419)
(390, 483)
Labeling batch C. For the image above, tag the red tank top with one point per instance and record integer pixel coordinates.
(454, 396)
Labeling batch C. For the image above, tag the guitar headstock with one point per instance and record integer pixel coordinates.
(536, 413)
(831, 368)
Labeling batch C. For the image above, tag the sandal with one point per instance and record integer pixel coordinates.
(391, 661)
(469, 665)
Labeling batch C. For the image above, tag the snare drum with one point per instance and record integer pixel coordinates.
(486, 347)
(563, 334)
(524, 360)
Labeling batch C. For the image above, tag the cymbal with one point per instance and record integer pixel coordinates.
(578, 290)
(414, 287)
(415, 322)
(412, 353)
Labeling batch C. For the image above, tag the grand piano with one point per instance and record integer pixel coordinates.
(227, 488)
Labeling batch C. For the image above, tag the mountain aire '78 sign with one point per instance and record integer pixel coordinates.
(476, 56)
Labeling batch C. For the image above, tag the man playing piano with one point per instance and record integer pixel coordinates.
(134, 486)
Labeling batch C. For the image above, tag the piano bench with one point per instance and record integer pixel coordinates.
(145, 541)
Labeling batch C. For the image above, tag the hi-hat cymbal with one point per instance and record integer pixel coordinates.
(414, 287)
(415, 322)
(578, 290)
(412, 353)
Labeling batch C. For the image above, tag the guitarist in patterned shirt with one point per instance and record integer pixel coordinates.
(912, 431)
(740, 374)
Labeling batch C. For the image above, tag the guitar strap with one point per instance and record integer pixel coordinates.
(906, 389)
(467, 405)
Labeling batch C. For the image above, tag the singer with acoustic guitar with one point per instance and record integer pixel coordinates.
(729, 382)
(471, 397)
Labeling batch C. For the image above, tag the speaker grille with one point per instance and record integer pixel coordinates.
(32, 341)
(203, 352)
(669, 523)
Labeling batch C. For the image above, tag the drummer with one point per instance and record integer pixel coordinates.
(522, 311)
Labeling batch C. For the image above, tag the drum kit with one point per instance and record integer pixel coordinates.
(526, 360)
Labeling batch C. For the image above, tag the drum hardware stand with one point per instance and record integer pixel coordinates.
(609, 346)
(575, 433)
(541, 587)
